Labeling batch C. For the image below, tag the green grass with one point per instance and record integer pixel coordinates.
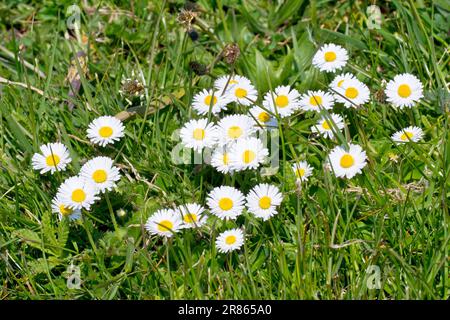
(395, 215)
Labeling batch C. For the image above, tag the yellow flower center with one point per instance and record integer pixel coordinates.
(225, 204)
(351, 93)
(330, 56)
(65, 211)
(315, 100)
(230, 239)
(105, 132)
(265, 202)
(347, 161)
(248, 156)
(339, 84)
(300, 172)
(52, 160)
(99, 176)
(234, 132)
(208, 100)
(406, 136)
(190, 218)
(325, 125)
(264, 116)
(225, 158)
(165, 225)
(78, 195)
(281, 101)
(240, 93)
(198, 134)
(404, 91)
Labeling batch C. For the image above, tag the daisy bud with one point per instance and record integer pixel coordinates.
(121, 213)
(186, 18)
(198, 68)
(231, 53)
(193, 34)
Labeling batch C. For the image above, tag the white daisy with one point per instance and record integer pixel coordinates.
(225, 202)
(326, 127)
(262, 119)
(230, 240)
(220, 159)
(409, 134)
(208, 99)
(404, 90)
(316, 101)
(199, 134)
(352, 93)
(263, 200)
(238, 89)
(283, 100)
(164, 222)
(193, 215)
(247, 154)
(105, 130)
(77, 193)
(302, 170)
(101, 172)
(63, 211)
(339, 80)
(54, 157)
(226, 81)
(234, 127)
(330, 57)
(347, 163)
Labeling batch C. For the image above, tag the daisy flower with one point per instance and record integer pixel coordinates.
(230, 240)
(404, 90)
(225, 202)
(263, 200)
(330, 58)
(238, 89)
(247, 154)
(220, 160)
(347, 163)
(77, 193)
(339, 80)
(192, 215)
(209, 99)
(63, 211)
(408, 134)
(262, 119)
(226, 81)
(352, 93)
(302, 170)
(283, 100)
(54, 157)
(234, 127)
(105, 130)
(164, 222)
(325, 127)
(101, 172)
(316, 100)
(198, 134)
